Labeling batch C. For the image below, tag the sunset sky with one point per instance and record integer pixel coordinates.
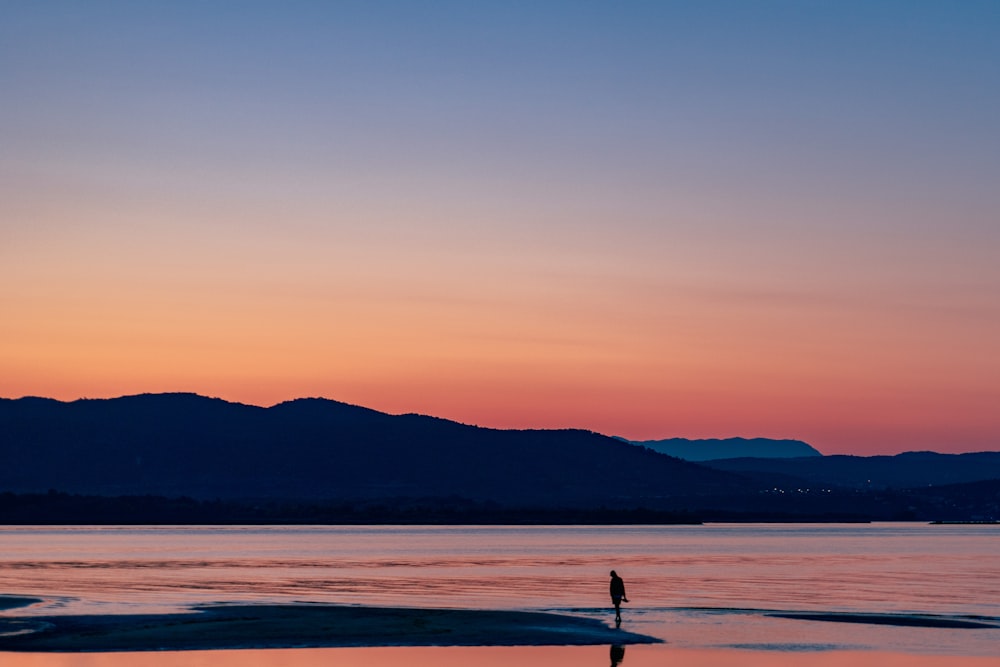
(648, 219)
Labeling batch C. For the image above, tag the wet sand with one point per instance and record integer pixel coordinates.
(304, 625)
(905, 620)
(13, 601)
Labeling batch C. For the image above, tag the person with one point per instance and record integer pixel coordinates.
(617, 595)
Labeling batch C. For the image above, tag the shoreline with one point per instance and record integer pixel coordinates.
(242, 626)
(903, 620)
(15, 601)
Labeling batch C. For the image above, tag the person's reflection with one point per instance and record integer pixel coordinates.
(617, 654)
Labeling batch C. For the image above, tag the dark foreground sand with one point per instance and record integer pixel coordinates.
(12, 601)
(906, 620)
(304, 625)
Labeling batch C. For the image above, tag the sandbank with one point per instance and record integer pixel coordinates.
(907, 620)
(14, 601)
(235, 626)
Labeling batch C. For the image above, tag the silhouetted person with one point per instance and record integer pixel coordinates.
(617, 595)
(617, 654)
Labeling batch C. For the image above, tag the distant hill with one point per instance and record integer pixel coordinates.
(729, 448)
(908, 470)
(184, 458)
(187, 445)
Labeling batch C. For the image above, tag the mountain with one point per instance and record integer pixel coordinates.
(907, 470)
(730, 448)
(184, 458)
(176, 445)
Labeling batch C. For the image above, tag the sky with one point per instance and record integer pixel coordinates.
(647, 219)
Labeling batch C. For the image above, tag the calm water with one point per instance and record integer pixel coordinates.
(700, 588)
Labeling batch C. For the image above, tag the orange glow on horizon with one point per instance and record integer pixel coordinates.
(540, 236)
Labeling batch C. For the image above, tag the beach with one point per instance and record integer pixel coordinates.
(310, 635)
(236, 626)
(241, 626)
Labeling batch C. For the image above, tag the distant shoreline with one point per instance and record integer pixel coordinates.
(57, 508)
(304, 626)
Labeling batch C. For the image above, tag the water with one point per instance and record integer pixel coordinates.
(701, 588)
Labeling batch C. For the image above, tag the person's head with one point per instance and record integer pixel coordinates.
(613, 573)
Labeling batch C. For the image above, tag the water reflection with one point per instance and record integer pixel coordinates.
(709, 586)
(931, 569)
(521, 656)
(617, 654)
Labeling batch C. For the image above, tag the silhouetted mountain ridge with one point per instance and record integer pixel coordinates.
(709, 449)
(187, 458)
(190, 445)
